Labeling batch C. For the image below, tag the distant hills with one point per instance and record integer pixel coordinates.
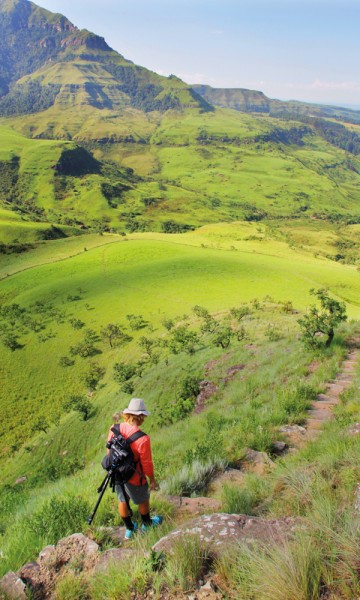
(91, 141)
(255, 101)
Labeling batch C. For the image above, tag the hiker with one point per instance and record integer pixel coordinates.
(137, 488)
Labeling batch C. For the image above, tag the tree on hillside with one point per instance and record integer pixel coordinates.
(94, 374)
(113, 333)
(322, 321)
(183, 340)
(10, 341)
(81, 405)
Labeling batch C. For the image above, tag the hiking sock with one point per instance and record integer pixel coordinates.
(146, 519)
(128, 523)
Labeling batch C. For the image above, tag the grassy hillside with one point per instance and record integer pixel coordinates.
(157, 278)
(190, 169)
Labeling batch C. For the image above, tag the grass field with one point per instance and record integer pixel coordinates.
(193, 168)
(157, 278)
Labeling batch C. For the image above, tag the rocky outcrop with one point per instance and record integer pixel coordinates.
(12, 587)
(257, 462)
(220, 531)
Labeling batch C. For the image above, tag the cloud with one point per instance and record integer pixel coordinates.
(345, 86)
(193, 77)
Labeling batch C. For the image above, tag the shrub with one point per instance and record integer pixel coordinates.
(123, 372)
(80, 404)
(59, 517)
(320, 323)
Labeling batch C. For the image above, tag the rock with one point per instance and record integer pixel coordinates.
(33, 576)
(292, 429)
(222, 530)
(207, 389)
(77, 546)
(112, 556)
(354, 429)
(257, 462)
(115, 534)
(20, 480)
(357, 499)
(13, 587)
(194, 506)
(279, 447)
(46, 555)
(230, 476)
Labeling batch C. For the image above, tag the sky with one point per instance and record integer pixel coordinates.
(290, 49)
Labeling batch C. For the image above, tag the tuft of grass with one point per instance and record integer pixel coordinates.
(188, 562)
(193, 478)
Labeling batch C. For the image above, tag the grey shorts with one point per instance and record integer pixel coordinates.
(137, 493)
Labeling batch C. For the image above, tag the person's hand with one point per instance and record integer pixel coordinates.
(153, 484)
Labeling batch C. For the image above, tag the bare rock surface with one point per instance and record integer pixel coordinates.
(228, 477)
(113, 556)
(40, 577)
(222, 530)
(257, 462)
(207, 390)
(354, 429)
(194, 506)
(357, 499)
(12, 587)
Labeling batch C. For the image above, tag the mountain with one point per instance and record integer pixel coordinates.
(149, 152)
(255, 101)
(45, 60)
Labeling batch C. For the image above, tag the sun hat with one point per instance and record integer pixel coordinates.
(136, 407)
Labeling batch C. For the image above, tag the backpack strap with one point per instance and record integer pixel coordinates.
(116, 429)
(135, 436)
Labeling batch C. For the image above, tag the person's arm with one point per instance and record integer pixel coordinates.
(147, 462)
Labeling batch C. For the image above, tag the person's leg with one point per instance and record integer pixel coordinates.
(144, 510)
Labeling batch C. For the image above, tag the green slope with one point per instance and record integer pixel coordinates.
(154, 278)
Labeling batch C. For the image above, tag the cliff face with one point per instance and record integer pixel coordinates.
(31, 36)
(44, 59)
(237, 99)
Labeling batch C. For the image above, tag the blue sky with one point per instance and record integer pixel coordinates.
(290, 49)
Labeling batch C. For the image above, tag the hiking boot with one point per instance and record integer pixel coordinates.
(130, 532)
(155, 521)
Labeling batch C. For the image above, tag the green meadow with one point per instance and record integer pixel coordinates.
(153, 275)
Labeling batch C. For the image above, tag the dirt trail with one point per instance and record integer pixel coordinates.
(321, 409)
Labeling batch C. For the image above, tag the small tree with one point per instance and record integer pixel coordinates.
(240, 312)
(183, 340)
(136, 322)
(40, 424)
(81, 405)
(201, 311)
(322, 321)
(10, 341)
(223, 337)
(123, 372)
(94, 374)
(114, 334)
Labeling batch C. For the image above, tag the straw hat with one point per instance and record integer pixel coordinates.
(136, 407)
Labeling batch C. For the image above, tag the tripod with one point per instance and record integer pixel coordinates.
(101, 490)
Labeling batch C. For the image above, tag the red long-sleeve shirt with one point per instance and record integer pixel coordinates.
(142, 452)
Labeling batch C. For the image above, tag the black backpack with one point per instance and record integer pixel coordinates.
(121, 459)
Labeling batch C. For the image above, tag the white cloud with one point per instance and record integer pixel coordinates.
(194, 77)
(346, 86)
